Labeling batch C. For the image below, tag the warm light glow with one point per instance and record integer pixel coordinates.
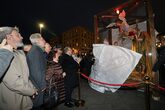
(150, 54)
(75, 51)
(117, 11)
(158, 44)
(41, 25)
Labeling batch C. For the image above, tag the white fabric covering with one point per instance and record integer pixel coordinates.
(113, 65)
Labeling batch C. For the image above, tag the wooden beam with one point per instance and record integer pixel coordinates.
(96, 29)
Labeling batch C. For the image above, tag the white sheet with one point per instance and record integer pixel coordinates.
(113, 64)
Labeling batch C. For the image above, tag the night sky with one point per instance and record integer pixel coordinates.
(60, 15)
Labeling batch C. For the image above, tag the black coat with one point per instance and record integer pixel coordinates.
(70, 66)
(160, 64)
(86, 64)
(37, 68)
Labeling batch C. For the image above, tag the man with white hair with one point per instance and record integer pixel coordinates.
(37, 65)
(15, 87)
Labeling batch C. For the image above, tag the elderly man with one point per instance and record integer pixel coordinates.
(6, 55)
(70, 67)
(37, 65)
(15, 88)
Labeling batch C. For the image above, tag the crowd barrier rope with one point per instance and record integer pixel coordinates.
(124, 85)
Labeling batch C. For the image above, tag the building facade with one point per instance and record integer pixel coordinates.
(56, 40)
(79, 39)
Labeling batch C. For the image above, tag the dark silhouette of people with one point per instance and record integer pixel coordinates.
(86, 63)
(160, 63)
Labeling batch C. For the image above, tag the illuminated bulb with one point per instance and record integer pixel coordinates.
(117, 11)
(150, 54)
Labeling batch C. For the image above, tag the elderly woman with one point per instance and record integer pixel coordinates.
(55, 73)
(53, 66)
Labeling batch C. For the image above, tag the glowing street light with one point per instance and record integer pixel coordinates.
(41, 25)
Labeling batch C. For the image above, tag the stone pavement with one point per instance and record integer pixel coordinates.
(123, 99)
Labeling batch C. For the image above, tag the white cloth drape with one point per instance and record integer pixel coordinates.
(113, 64)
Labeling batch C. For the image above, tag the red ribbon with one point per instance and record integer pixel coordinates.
(104, 83)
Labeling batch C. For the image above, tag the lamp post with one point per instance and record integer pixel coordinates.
(41, 25)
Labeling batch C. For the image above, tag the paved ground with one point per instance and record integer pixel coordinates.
(120, 100)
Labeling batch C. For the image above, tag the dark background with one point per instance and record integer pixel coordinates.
(60, 15)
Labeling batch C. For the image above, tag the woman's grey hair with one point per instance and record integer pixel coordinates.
(34, 37)
(4, 31)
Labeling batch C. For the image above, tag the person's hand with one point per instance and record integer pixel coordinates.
(4, 46)
(63, 74)
(35, 94)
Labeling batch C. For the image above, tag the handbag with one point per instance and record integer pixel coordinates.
(50, 94)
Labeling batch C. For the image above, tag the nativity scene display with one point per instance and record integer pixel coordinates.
(129, 26)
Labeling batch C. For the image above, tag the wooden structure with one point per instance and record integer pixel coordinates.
(137, 12)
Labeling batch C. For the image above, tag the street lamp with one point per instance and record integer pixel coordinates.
(41, 25)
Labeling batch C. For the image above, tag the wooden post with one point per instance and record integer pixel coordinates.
(151, 29)
(110, 37)
(151, 32)
(96, 29)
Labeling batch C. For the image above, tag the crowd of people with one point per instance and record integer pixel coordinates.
(26, 71)
(159, 65)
